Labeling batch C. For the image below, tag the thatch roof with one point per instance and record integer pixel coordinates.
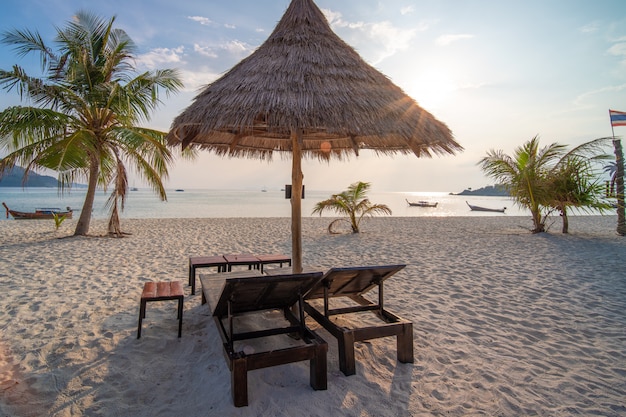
(305, 78)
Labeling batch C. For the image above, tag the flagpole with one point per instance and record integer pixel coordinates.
(611, 122)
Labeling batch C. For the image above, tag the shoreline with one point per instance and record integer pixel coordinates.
(505, 322)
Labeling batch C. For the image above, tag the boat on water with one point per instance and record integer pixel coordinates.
(40, 213)
(478, 208)
(422, 203)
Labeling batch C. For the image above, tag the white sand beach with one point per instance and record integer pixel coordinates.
(506, 323)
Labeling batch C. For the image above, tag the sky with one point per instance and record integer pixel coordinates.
(497, 73)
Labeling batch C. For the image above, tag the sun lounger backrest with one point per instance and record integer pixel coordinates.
(263, 292)
(352, 280)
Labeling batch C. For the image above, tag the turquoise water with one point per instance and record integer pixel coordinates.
(243, 203)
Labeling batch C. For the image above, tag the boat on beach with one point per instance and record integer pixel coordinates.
(40, 213)
(478, 208)
(422, 203)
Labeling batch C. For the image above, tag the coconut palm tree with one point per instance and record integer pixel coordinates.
(86, 111)
(549, 178)
(574, 183)
(352, 203)
(524, 176)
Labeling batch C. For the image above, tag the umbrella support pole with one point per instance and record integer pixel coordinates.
(296, 201)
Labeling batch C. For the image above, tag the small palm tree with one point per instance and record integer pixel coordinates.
(549, 178)
(524, 175)
(573, 182)
(352, 203)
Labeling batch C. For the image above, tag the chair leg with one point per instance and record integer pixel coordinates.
(239, 382)
(405, 344)
(180, 316)
(142, 315)
(346, 354)
(318, 369)
(192, 279)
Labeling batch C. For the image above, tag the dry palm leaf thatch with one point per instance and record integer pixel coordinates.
(305, 78)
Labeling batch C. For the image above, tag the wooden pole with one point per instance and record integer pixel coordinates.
(296, 202)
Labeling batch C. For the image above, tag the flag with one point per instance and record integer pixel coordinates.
(618, 118)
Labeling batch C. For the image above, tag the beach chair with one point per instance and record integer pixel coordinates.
(353, 283)
(242, 294)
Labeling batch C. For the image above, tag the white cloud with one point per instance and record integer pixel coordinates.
(590, 27)
(159, 57)
(619, 49)
(196, 80)
(237, 47)
(446, 40)
(383, 39)
(589, 98)
(201, 19)
(204, 51)
(407, 10)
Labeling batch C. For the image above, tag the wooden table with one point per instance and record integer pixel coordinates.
(204, 262)
(273, 259)
(242, 259)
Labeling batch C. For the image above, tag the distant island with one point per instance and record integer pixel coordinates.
(14, 177)
(490, 190)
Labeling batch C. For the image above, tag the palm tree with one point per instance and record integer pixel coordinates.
(611, 169)
(549, 178)
(352, 203)
(524, 176)
(86, 111)
(573, 181)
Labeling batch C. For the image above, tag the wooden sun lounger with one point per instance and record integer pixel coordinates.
(353, 283)
(235, 294)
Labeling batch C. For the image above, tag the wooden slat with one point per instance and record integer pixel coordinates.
(352, 281)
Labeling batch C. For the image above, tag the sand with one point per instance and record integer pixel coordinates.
(506, 323)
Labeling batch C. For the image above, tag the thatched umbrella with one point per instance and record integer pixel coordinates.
(307, 92)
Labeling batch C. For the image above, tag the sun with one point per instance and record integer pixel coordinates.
(432, 89)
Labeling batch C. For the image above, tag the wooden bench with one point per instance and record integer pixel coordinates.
(161, 291)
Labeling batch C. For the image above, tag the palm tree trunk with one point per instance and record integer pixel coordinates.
(115, 228)
(82, 227)
(619, 180)
(537, 220)
(565, 220)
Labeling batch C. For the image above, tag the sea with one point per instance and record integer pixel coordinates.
(194, 203)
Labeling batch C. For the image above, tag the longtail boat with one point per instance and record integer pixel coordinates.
(478, 208)
(422, 203)
(40, 213)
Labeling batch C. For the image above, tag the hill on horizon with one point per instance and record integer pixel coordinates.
(490, 190)
(13, 178)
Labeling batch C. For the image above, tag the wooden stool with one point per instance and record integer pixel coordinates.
(162, 291)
